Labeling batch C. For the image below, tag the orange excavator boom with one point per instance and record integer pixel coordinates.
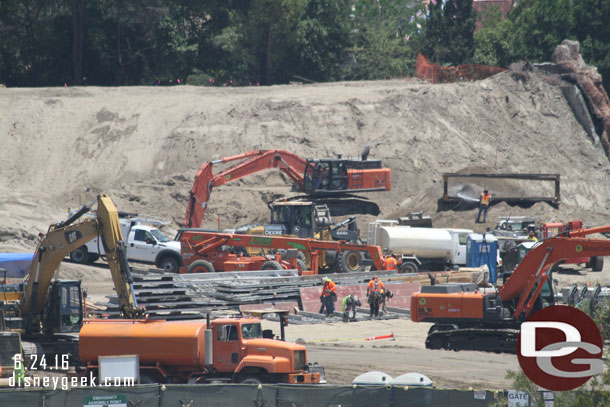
(535, 266)
(254, 161)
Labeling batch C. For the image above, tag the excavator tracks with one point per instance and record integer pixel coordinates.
(479, 339)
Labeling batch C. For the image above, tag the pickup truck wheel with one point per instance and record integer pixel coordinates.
(169, 264)
(409, 267)
(200, 266)
(271, 265)
(79, 255)
(349, 262)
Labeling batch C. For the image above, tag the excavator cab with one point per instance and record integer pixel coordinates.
(64, 311)
(325, 176)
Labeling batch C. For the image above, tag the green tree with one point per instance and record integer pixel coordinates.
(592, 29)
(493, 42)
(448, 35)
(321, 37)
(539, 26)
(385, 38)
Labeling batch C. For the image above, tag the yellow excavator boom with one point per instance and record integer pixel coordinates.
(63, 238)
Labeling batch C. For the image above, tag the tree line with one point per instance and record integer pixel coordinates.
(248, 42)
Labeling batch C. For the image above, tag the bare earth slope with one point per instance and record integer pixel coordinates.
(143, 145)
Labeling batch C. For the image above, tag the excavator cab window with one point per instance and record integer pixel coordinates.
(338, 179)
(317, 176)
(65, 311)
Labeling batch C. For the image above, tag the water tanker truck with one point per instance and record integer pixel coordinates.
(428, 248)
(232, 350)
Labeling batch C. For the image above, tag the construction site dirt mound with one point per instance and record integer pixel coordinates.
(143, 146)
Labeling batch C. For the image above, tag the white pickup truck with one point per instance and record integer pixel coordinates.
(145, 244)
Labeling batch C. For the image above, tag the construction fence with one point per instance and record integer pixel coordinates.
(436, 74)
(248, 395)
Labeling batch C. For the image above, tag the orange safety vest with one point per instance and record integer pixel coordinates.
(375, 286)
(485, 198)
(390, 263)
(328, 286)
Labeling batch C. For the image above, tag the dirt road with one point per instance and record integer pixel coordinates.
(341, 348)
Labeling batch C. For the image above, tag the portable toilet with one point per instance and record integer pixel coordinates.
(483, 249)
(523, 249)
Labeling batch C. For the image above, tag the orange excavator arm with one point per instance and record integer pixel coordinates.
(533, 269)
(253, 161)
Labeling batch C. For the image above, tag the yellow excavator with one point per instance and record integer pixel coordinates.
(47, 317)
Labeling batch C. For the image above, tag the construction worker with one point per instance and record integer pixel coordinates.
(385, 296)
(532, 236)
(350, 302)
(373, 293)
(484, 202)
(390, 262)
(329, 296)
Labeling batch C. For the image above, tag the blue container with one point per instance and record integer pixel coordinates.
(483, 249)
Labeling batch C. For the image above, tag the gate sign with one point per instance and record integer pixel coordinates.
(105, 401)
(518, 399)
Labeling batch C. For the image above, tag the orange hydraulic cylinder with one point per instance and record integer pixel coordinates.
(175, 343)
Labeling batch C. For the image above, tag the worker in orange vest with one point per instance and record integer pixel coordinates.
(329, 296)
(390, 262)
(374, 292)
(484, 202)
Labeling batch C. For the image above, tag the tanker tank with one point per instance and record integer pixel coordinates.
(176, 343)
(421, 242)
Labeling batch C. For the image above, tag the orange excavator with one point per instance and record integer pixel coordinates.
(320, 178)
(465, 318)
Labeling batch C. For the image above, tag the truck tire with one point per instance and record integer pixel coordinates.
(169, 264)
(250, 380)
(597, 263)
(79, 255)
(200, 266)
(271, 265)
(409, 267)
(349, 261)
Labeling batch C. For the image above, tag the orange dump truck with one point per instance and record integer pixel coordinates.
(187, 352)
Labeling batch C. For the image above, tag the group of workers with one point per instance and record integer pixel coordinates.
(376, 294)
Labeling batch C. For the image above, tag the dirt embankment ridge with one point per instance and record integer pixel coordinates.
(143, 146)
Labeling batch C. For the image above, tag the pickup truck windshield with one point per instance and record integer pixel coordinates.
(159, 236)
(251, 331)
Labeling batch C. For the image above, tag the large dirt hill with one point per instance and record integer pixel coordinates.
(143, 146)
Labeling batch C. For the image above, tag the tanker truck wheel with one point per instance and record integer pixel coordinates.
(79, 255)
(409, 267)
(349, 262)
(271, 265)
(200, 266)
(250, 379)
